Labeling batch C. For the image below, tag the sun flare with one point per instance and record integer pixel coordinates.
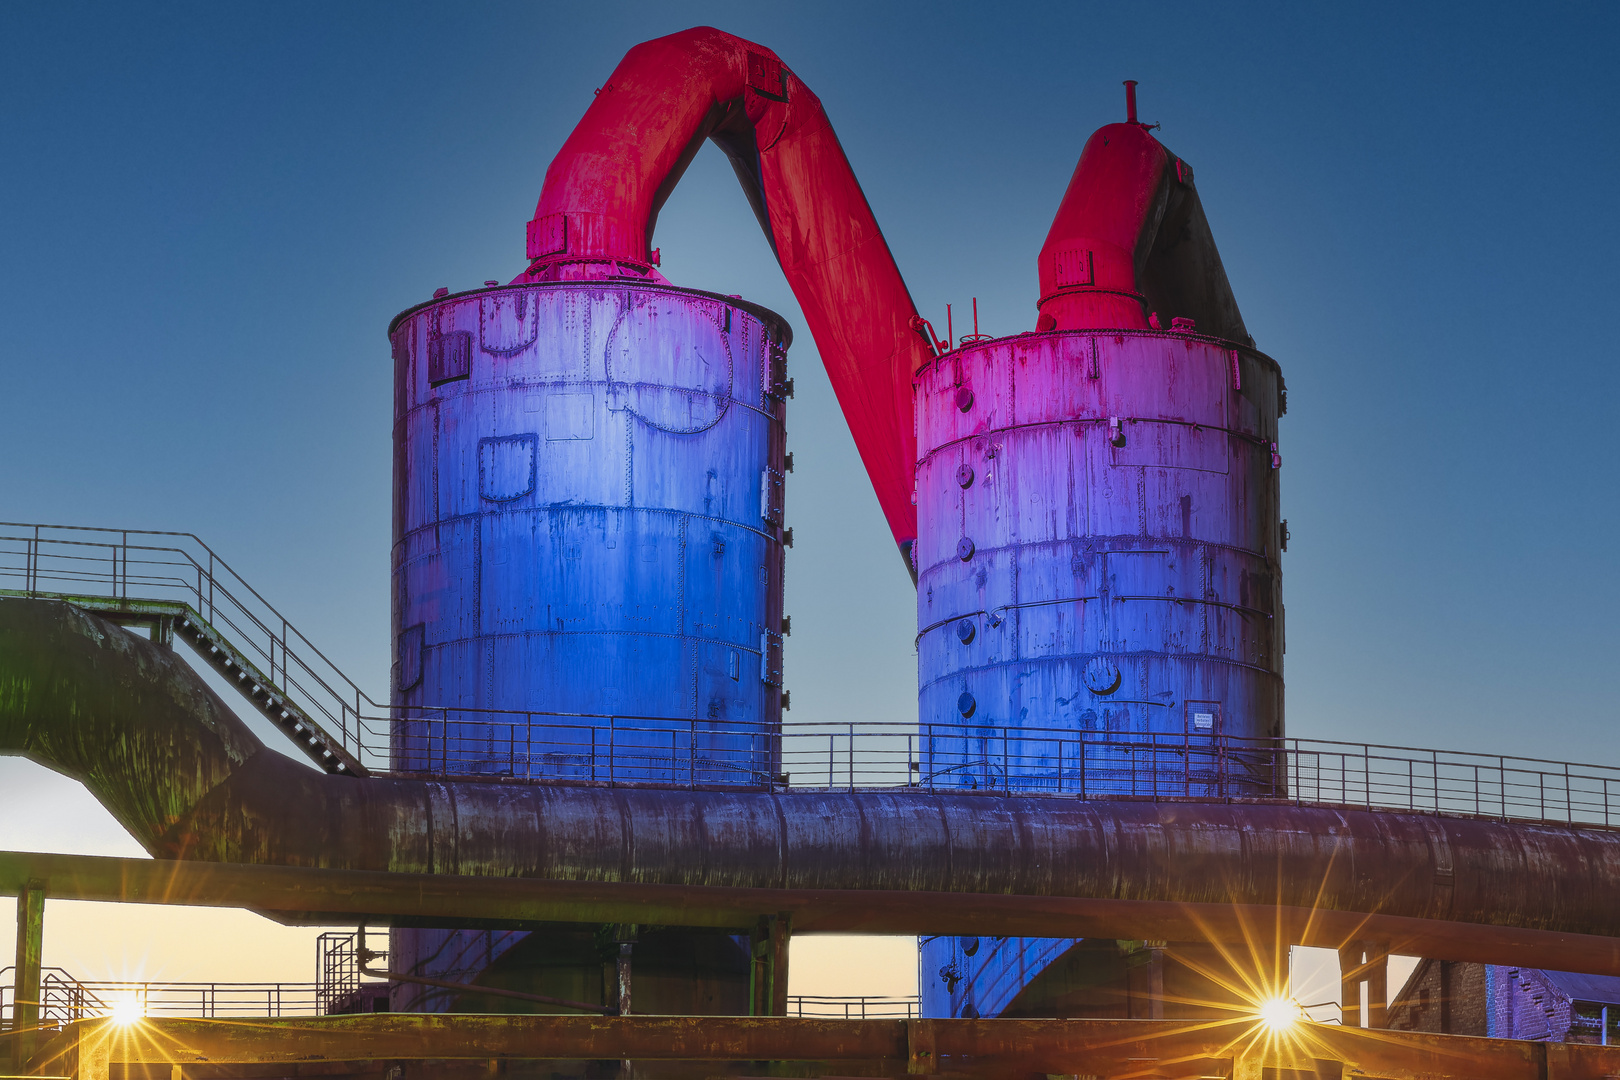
(126, 1011)
(1280, 1013)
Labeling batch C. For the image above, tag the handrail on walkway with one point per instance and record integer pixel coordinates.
(174, 581)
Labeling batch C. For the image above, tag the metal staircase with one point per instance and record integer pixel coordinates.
(176, 586)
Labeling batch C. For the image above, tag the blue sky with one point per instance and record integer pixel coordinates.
(211, 212)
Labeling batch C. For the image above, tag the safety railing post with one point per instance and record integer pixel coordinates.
(1082, 749)
(1153, 765)
(925, 758)
(852, 757)
(1435, 754)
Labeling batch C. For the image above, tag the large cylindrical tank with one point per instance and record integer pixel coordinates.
(1098, 601)
(587, 534)
(588, 557)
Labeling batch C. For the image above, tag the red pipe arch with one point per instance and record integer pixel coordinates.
(603, 191)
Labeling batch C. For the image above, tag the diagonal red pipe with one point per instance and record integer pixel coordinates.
(604, 189)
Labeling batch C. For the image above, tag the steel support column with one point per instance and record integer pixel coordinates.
(768, 971)
(625, 935)
(30, 948)
(1365, 963)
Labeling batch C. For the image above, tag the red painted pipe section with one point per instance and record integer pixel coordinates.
(605, 187)
(1130, 241)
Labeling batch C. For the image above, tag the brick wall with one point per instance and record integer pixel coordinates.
(1445, 997)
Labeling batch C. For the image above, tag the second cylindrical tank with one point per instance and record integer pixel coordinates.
(1099, 596)
(1098, 584)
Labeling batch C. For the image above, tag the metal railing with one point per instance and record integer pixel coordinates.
(1004, 760)
(137, 572)
(869, 1007)
(65, 999)
(122, 570)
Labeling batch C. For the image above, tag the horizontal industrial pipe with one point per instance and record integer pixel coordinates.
(138, 727)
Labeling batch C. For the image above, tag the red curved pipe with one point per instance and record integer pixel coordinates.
(604, 189)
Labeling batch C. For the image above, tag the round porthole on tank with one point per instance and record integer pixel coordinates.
(964, 475)
(966, 705)
(1102, 676)
(966, 631)
(964, 549)
(964, 398)
(970, 945)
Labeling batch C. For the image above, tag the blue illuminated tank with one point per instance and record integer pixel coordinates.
(588, 544)
(1098, 599)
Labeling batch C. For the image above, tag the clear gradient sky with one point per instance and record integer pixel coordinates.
(210, 213)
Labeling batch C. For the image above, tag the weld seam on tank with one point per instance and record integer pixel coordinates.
(1243, 347)
(610, 508)
(1024, 605)
(660, 634)
(1139, 654)
(781, 337)
(1174, 545)
(1261, 441)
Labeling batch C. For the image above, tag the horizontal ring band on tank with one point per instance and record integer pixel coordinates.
(1256, 440)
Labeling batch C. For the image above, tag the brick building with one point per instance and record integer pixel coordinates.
(1508, 1003)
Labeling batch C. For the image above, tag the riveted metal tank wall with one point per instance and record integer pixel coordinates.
(1098, 600)
(587, 534)
(587, 558)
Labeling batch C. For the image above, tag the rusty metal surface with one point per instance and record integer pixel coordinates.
(1113, 1048)
(1097, 549)
(587, 520)
(156, 747)
(1115, 496)
(348, 897)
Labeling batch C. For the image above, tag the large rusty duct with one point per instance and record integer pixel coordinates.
(175, 767)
